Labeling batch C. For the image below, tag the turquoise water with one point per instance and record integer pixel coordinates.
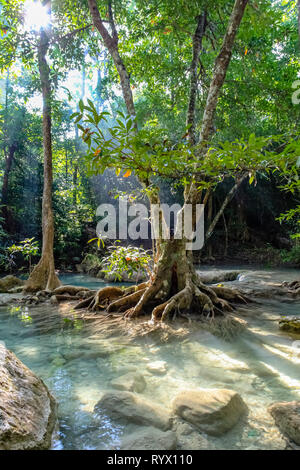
(87, 281)
(78, 364)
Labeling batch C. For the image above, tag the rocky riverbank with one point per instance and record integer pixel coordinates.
(27, 408)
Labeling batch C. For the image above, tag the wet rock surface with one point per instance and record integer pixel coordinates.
(126, 407)
(157, 367)
(9, 282)
(213, 411)
(27, 409)
(216, 275)
(290, 324)
(149, 438)
(287, 418)
(131, 382)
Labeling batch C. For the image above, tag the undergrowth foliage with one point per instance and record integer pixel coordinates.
(129, 259)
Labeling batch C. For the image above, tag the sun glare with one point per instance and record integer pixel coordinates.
(36, 16)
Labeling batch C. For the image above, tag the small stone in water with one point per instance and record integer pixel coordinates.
(157, 367)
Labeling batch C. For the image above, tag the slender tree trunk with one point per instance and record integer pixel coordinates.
(226, 201)
(111, 43)
(66, 166)
(209, 219)
(299, 20)
(43, 276)
(8, 164)
(75, 176)
(6, 214)
(77, 141)
(226, 236)
(9, 151)
(197, 46)
(220, 68)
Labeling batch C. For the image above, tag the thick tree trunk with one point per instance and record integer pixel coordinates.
(43, 276)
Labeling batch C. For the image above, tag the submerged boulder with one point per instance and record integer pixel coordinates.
(27, 409)
(215, 275)
(290, 324)
(9, 282)
(16, 290)
(131, 382)
(287, 417)
(157, 367)
(212, 411)
(149, 438)
(126, 407)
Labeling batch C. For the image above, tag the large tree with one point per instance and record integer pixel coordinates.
(175, 283)
(44, 51)
(43, 276)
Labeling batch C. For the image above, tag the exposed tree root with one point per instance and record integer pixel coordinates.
(104, 296)
(126, 301)
(181, 300)
(226, 328)
(84, 303)
(293, 288)
(43, 276)
(175, 289)
(231, 295)
(71, 290)
(67, 293)
(65, 297)
(147, 294)
(156, 296)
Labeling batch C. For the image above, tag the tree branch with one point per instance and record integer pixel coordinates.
(197, 46)
(59, 38)
(220, 68)
(111, 43)
(111, 22)
(224, 205)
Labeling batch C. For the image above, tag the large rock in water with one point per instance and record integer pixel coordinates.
(27, 409)
(287, 418)
(290, 324)
(212, 411)
(9, 282)
(149, 439)
(131, 382)
(126, 407)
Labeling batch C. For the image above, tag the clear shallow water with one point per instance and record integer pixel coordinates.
(86, 281)
(77, 363)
